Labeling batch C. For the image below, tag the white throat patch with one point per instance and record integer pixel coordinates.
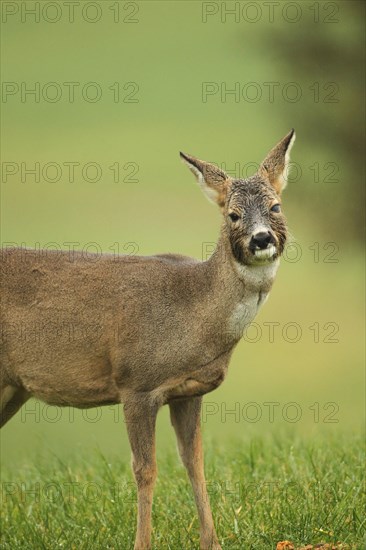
(257, 274)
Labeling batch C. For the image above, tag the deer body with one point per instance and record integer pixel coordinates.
(142, 331)
(100, 326)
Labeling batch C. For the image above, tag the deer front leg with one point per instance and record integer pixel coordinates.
(185, 417)
(140, 416)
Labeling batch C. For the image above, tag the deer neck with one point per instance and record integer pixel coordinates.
(239, 290)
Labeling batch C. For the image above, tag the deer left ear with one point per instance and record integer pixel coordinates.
(213, 181)
(275, 166)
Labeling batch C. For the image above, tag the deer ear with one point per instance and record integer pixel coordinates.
(275, 166)
(213, 181)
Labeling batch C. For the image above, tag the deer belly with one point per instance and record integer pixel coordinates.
(81, 384)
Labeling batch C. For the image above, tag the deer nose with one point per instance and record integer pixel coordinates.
(261, 239)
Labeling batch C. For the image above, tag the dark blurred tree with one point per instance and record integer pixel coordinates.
(330, 52)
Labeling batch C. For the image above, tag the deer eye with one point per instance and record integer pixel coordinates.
(276, 208)
(234, 217)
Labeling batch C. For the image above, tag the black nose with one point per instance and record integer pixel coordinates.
(261, 239)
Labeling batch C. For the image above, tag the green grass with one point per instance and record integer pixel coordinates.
(263, 490)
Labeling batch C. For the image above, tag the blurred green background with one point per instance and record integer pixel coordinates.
(163, 57)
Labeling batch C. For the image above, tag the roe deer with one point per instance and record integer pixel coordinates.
(167, 325)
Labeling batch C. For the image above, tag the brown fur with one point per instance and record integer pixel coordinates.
(142, 331)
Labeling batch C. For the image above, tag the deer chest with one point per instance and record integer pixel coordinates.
(244, 313)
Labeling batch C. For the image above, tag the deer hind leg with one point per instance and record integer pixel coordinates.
(185, 417)
(140, 415)
(11, 400)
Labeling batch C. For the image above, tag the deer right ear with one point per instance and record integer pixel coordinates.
(213, 181)
(275, 166)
